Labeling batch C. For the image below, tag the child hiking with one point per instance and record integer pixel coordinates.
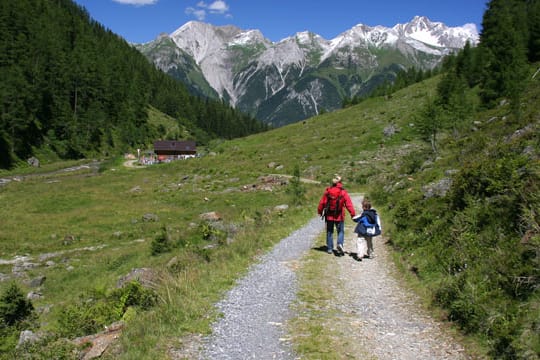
(332, 207)
(369, 226)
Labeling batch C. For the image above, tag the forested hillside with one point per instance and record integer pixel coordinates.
(71, 88)
(452, 164)
(465, 208)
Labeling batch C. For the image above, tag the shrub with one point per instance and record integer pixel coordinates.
(14, 308)
(46, 349)
(89, 316)
(132, 294)
(295, 188)
(161, 243)
(16, 314)
(412, 162)
(210, 231)
(84, 318)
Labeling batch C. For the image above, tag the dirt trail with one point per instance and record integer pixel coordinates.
(378, 317)
(92, 166)
(371, 315)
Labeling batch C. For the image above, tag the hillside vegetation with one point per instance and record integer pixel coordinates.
(83, 231)
(465, 221)
(452, 164)
(484, 272)
(72, 89)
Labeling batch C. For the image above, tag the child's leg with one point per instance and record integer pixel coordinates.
(370, 250)
(361, 247)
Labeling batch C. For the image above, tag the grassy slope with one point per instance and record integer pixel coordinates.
(472, 254)
(104, 214)
(107, 210)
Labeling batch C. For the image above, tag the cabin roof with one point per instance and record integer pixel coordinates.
(175, 145)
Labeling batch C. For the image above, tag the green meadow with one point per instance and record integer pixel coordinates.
(85, 230)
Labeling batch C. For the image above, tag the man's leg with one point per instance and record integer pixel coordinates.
(340, 235)
(329, 236)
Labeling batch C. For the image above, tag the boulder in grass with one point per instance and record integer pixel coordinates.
(210, 216)
(33, 161)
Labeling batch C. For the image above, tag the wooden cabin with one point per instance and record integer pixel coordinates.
(167, 150)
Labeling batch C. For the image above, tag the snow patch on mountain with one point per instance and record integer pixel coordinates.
(303, 37)
(437, 34)
(249, 37)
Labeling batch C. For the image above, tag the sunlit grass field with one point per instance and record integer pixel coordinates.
(85, 230)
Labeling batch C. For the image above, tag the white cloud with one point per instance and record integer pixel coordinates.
(136, 2)
(200, 14)
(202, 8)
(218, 7)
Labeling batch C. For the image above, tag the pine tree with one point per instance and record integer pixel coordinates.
(534, 30)
(14, 307)
(430, 123)
(83, 90)
(504, 53)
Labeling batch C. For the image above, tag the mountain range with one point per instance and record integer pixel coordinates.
(302, 75)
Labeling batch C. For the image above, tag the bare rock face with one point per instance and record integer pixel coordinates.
(150, 218)
(28, 336)
(147, 277)
(33, 161)
(37, 281)
(96, 344)
(253, 73)
(210, 216)
(438, 189)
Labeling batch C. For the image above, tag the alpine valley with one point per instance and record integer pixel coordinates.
(303, 75)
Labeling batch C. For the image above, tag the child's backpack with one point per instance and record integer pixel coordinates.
(334, 202)
(367, 224)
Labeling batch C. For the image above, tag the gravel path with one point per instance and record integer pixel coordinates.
(376, 315)
(381, 317)
(94, 166)
(255, 311)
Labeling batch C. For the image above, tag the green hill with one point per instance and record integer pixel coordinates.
(72, 89)
(452, 164)
(97, 227)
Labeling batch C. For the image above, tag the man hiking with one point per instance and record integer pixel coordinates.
(332, 207)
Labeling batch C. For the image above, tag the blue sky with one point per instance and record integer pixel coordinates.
(141, 21)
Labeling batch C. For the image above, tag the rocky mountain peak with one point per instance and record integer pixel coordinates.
(292, 79)
(437, 34)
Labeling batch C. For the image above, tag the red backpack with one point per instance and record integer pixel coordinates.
(334, 202)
